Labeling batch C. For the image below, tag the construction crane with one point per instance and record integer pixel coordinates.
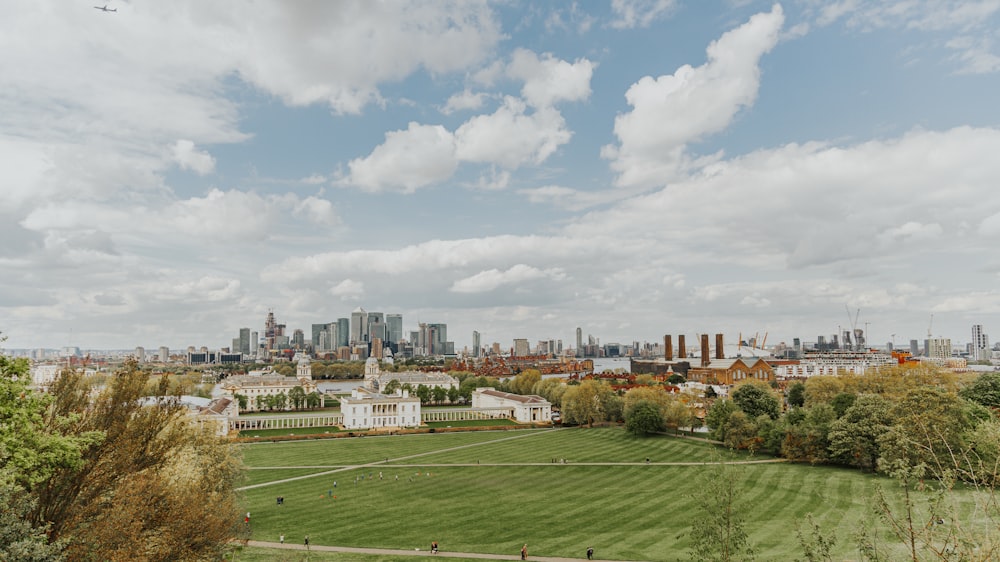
(929, 326)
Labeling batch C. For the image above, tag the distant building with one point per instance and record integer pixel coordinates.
(939, 348)
(376, 380)
(980, 344)
(257, 385)
(366, 409)
(526, 408)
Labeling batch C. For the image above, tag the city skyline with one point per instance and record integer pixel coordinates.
(171, 172)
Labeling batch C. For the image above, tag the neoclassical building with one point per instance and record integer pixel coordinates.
(366, 409)
(268, 383)
(524, 408)
(376, 380)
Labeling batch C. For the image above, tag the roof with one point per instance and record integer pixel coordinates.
(416, 377)
(522, 398)
(217, 407)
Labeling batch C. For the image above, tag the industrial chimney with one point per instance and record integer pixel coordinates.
(668, 346)
(681, 349)
(720, 352)
(704, 350)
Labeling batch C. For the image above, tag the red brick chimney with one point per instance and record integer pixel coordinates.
(720, 352)
(668, 346)
(704, 350)
(682, 352)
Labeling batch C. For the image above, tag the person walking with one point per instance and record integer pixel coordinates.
(524, 552)
(590, 553)
(434, 547)
(307, 540)
(281, 539)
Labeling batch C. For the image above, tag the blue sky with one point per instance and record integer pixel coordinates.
(169, 172)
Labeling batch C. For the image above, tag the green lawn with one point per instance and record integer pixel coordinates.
(628, 511)
(254, 554)
(471, 423)
(287, 431)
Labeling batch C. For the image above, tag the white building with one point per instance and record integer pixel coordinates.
(268, 383)
(526, 408)
(371, 410)
(376, 380)
(832, 363)
(980, 344)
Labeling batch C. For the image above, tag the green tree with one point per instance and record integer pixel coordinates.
(756, 399)
(297, 396)
(453, 394)
(741, 432)
(280, 400)
(439, 393)
(392, 386)
(797, 394)
(242, 401)
(717, 417)
(525, 381)
(842, 402)
(131, 499)
(719, 532)
(19, 540)
(929, 429)
(854, 437)
(677, 414)
(423, 393)
(676, 378)
(582, 404)
(984, 390)
(643, 418)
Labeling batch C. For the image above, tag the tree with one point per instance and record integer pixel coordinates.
(719, 534)
(854, 437)
(797, 394)
(242, 401)
(314, 400)
(423, 393)
(392, 386)
(297, 396)
(842, 402)
(439, 393)
(643, 418)
(677, 414)
(741, 432)
(525, 381)
(717, 417)
(756, 399)
(984, 390)
(155, 487)
(280, 400)
(676, 378)
(581, 404)
(19, 540)
(453, 394)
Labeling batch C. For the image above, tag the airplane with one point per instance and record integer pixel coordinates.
(105, 8)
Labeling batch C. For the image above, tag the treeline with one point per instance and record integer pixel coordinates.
(922, 419)
(109, 473)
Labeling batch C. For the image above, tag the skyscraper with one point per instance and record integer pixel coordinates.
(579, 342)
(475, 344)
(359, 325)
(376, 326)
(521, 347)
(394, 327)
(343, 332)
(980, 344)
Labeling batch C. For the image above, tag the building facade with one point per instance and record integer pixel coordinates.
(372, 410)
(525, 408)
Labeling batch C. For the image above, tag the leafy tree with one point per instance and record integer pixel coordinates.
(676, 378)
(525, 381)
(797, 394)
(655, 394)
(280, 400)
(453, 394)
(242, 401)
(854, 437)
(154, 487)
(439, 393)
(581, 404)
(260, 402)
(719, 533)
(18, 539)
(822, 389)
(816, 543)
(611, 404)
(929, 429)
(842, 402)
(741, 432)
(643, 418)
(314, 400)
(392, 386)
(809, 439)
(677, 414)
(423, 393)
(717, 417)
(984, 390)
(756, 399)
(297, 396)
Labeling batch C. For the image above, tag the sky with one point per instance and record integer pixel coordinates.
(171, 171)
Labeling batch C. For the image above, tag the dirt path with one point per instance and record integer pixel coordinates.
(399, 552)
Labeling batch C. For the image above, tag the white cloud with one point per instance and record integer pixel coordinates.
(511, 137)
(491, 279)
(348, 289)
(548, 80)
(638, 13)
(462, 101)
(673, 110)
(189, 158)
(410, 159)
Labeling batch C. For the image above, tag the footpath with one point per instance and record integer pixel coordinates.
(394, 552)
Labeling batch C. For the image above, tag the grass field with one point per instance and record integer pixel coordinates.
(490, 492)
